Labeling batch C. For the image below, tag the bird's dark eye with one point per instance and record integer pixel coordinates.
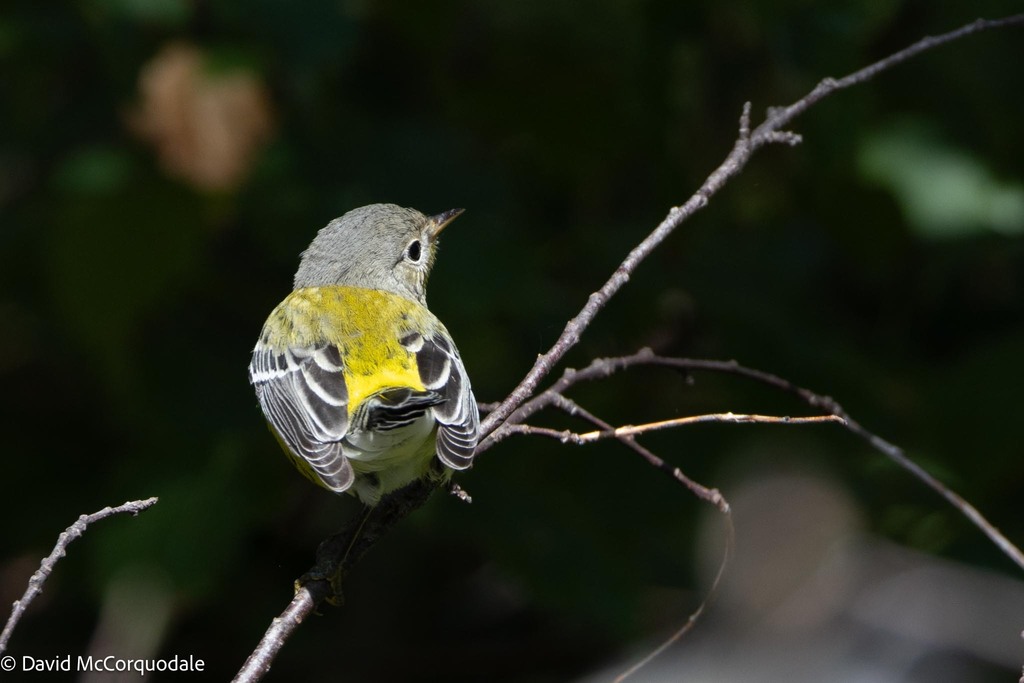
(414, 251)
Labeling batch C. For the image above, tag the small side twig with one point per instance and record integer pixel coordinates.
(605, 367)
(35, 583)
(581, 438)
(730, 417)
(712, 496)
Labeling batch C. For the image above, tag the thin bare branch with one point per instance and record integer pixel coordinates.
(706, 494)
(897, 455)
(770, 131)
(734, 418)
(579, 439)
(563, 435)
(604, 367)
(777, 118)
(730, 541)
(281, 628)
(712, 496)
(35, 583)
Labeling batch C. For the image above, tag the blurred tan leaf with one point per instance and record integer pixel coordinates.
(206, 126)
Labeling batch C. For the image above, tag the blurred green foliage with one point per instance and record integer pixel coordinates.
(130, 299)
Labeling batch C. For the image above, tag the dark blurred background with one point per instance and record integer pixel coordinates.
(162, 164)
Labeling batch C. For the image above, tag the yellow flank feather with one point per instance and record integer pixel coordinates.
(365, 324)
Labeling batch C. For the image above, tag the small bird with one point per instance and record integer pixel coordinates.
(359, 381)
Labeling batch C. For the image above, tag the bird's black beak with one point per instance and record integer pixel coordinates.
(441, 220)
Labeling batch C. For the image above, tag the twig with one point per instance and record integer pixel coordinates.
(730, 540)
(709, 495)
(891, 451)
(735, 418)
(781, 117)
(569, 436)
(896, 454)
(747, 142)
(281, 628)
(604, 367)
(712, 496)
(35, 583)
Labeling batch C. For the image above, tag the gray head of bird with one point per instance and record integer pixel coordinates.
(380, 246)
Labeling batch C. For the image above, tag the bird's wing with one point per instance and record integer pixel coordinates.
(303, 394)
(441, 371)
(393, 408)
